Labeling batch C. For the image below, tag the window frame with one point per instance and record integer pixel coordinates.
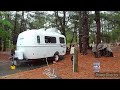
(49, 39)
(60, 40)
(38, 39)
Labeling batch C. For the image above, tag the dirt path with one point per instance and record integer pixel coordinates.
(5, 64)
(109, 68)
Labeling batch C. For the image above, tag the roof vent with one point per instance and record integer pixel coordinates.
(53, 30)
(42, 29)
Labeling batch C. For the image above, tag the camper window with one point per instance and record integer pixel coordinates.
(49, 39)
(62, 40)
(38, 39)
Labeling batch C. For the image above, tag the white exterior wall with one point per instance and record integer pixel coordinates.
(33, 50)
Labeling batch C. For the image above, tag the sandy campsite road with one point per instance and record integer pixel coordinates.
(109, 68)
(5, 64)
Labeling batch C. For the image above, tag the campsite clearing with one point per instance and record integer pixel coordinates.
(109, 68)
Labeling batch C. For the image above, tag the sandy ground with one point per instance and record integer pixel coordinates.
(5, 64)
(109, 68)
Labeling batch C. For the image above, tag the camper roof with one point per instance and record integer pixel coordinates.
(42, 31)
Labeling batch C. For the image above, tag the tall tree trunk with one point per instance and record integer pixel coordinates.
(75, 26)
(98, 37)
(85, 31)
(0, 37)
(63, 24)
(76, 36)
(22, 26)
(108, 38)
(102, 29)
(14, 31)
(75, 29)
(0, 43)
(80, 32)
(4, 45)
(72, 38)
(26, 21)
(56, 19)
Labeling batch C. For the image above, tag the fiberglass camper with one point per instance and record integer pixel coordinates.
(41, 43)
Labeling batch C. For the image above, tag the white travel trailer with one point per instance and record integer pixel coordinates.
(41, 43)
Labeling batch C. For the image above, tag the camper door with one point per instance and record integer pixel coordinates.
(62, 45)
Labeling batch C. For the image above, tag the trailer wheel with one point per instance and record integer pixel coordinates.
(56, 57)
